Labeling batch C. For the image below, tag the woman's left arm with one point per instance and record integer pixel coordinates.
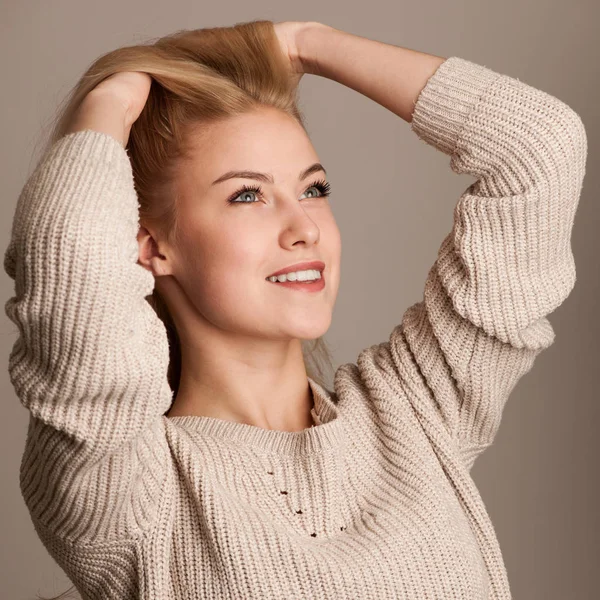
(390, 75)
(507, 263)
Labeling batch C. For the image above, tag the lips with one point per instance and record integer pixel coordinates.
(317, 265)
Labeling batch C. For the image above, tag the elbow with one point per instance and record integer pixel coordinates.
(568, 144)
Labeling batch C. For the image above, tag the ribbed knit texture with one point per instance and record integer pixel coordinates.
(376, 502)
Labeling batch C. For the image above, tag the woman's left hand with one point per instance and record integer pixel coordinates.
(288, 34)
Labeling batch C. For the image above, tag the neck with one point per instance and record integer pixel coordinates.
(287, 406)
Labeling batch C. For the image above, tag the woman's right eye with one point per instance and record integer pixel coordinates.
(245, 195)
(244, 192)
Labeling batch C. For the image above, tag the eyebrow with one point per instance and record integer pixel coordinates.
(267, 177)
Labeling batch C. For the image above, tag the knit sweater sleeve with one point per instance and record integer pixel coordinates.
(507, 263)
(90, 361)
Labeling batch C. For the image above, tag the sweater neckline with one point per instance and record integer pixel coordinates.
(316, 438)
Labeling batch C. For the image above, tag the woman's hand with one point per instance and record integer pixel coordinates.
(114, 105)
(290, 36)
(390, 75)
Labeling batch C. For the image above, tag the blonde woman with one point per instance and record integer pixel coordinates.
(182, 443)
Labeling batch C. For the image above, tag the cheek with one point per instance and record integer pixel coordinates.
(331, 241)
(223, 275)
(225, 299)
(234, 303)
(217, 249)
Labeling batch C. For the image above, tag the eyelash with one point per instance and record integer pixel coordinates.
(323, 186)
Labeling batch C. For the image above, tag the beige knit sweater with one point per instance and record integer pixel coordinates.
(376, 502)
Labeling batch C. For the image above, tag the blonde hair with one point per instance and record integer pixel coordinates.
(198, 77)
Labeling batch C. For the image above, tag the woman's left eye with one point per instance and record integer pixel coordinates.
(313, 187)
(323, 188)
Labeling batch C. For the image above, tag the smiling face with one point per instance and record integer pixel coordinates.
(226, 250)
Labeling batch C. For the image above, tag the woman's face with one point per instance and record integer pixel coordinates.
(226, 251)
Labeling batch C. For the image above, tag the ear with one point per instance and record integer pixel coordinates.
(149, 255)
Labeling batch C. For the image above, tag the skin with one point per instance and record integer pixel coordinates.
(240, 334)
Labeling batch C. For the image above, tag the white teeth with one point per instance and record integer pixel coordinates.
(309, 275)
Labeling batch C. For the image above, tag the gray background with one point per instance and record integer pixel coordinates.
(393, 197)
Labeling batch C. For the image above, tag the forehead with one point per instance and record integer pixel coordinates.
(266, 140)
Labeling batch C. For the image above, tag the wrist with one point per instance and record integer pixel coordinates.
(307, 46)
(102, 113)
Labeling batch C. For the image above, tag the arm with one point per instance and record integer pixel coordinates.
(389, 75)
(91, 358)
(507, 263)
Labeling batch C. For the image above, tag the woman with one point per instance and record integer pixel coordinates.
(178, 447)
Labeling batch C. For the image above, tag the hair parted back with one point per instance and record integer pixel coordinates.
(198, 77)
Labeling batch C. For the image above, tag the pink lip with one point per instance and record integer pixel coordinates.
(303, 266)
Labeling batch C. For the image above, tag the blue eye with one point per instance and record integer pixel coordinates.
(246, 189)
(323, 187)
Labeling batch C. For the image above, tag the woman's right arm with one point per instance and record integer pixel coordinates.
(90, 362)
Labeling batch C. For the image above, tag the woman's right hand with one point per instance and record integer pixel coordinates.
(113, 106)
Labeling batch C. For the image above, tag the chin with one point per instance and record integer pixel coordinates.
(309, 334)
